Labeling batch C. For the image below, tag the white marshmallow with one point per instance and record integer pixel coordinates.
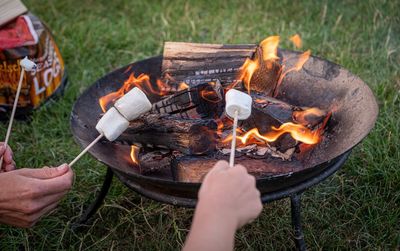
(112, 124)
(238, 101)
(27, 64)
(133, 104)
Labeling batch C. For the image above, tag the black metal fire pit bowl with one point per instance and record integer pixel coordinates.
(319, 84)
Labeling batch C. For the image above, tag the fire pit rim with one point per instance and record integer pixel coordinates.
(165, 181)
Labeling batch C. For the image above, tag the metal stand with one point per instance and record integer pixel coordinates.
(293, 192)
(296, 222)
(92, 209)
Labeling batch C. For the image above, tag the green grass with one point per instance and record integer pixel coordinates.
(358, 208)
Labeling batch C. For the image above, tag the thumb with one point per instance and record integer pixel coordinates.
(2, 149)
(45, 173)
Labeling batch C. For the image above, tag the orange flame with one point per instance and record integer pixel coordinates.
(301, 116)
(270, 47)
(298, 66)
(142, 82)
(296, 40)
(261, 101)
(210, 96)
(247, 70)
(135, 154)
(298, 132)
(182, 86)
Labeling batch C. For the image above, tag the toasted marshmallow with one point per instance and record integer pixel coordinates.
(238, 101)
(27, 64)
(133, 104)
(112, 124)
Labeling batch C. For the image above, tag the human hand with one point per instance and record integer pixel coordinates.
(28, 194)
(228, 199)
(231, 193)
(7, 155)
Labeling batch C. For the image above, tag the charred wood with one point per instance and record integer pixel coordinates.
(188, 136)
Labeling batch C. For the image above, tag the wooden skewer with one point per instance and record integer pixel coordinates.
(86, 149)
(13, 113)
(233, 143)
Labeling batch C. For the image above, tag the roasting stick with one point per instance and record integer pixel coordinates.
(233, 143)
(26, 65)
(237, 106)
(116, 120)
(86, 149)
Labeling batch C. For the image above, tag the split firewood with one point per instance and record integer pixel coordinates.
(194, 168)
(202, 101)
(196, 63)
(265, 77)
(268, 111)
(189, 136)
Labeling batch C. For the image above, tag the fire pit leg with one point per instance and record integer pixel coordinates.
(92, 209)
(296, 222)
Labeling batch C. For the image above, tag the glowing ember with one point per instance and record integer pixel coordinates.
(210, 96)
(298, 132)
(296, 40)
(135, 154)
(301, 116)
(182, 86)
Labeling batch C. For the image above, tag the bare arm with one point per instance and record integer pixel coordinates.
(228, 199)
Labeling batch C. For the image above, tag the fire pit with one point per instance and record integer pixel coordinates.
(320, 84)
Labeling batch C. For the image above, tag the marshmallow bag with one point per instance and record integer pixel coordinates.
(28, 36)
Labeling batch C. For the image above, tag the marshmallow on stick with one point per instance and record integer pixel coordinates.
(26, 65)
(133, 104)
(116, 120)
(237, 106)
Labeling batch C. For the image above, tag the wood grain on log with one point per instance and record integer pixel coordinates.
(193, 169)
(265, 77)
(190, 136)
(202, 101)
(196, 63)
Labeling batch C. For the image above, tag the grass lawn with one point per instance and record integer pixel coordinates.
(357, 208)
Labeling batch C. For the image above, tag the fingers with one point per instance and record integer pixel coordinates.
(57, 184)
(39, 205)
(34, 196)
(2, 149)
(45, 173)
(8, 162)
(25, 220)
(9, 167)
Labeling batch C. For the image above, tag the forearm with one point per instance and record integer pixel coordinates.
(210, 231)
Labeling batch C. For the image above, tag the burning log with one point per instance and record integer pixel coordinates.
(268, 111)
(201, 101)
(189, 136)
(156, 161)
(195, 63)
(262, 73)
(193, 169)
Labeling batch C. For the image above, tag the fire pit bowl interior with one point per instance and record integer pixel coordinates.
(320, 83)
